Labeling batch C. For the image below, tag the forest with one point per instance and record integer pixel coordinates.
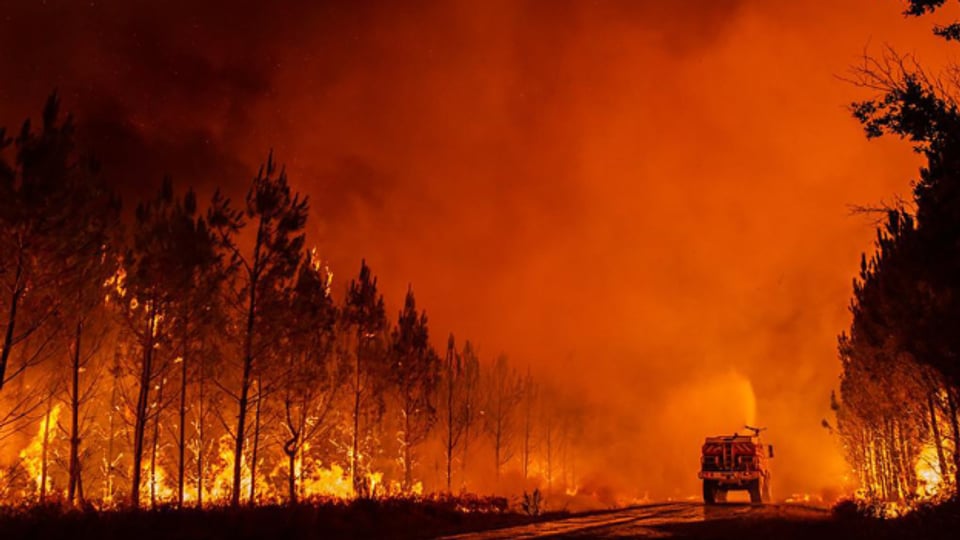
(181, 352)
(897, 409)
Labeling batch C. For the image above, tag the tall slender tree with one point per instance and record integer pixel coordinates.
(454, 405)
(312, 370)
(35, 196)
(365, 317)
(155, 279)
(91, 262)
(277, 216)
(472, 404)
(504, 391)
(414, 376)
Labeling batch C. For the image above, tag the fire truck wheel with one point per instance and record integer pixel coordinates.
(709, 492)
(755, 492)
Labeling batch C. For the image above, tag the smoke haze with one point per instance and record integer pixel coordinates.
(647, 202)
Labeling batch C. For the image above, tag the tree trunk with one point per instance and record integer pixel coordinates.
(108, 483)
(955, 432)
(140, 421)
(181, 443)
(11, 322)
(200, 419)
(354, 472)
(244, 397)
(153, 446)
(256, 443)
(449, 455)
(290, 449)
(937, 438)
(254, 277)
(43, 450)
(407, 465)
(466, 448)
(74, 469)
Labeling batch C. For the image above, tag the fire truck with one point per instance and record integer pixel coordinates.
(735, 462)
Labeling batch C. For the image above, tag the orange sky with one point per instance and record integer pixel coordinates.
(647, 201)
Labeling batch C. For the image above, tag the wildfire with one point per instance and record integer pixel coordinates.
(32, 456)
(158, 485)
(928, 469)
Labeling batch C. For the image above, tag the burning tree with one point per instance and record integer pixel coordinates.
(471, 404)
(91, 262)
(414, 375)
(278, 216)
(313, 370)
(365, 319)
(901, 376)
(131, 335)
(36, 224)
(143, 298)
(458, 386)
(504, 390)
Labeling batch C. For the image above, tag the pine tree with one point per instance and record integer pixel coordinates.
(414, 376)
(278, 217)
(365, 317)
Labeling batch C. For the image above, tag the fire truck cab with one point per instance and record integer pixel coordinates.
(735, 462)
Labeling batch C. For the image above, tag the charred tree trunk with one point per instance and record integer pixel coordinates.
(200, 443)
(44, 450)
(354, 472)
(405, 450)
(449, 445)
(292, 480)
(140, 421)
(955, 432)
(12, 320)
(182, 442)
(153, 446)
(256, 443)
(254, 276)
(466, 455)
(907, 457)
(290, 448)
(937, 437)
(74, 469)
(294, 444)
(244, 397)
(108, 483)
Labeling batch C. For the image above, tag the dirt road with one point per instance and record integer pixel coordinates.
(648, 521)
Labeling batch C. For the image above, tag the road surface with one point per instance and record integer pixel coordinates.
(646, 521)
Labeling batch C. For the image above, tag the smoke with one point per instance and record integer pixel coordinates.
(645, 201)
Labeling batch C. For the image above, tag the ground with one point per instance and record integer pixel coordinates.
(442, 519)
(725, 521)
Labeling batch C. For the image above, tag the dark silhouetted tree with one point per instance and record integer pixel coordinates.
(312, 368)
(472, 403)
(278, 217)
(414, 376)
(503, 390)
(35, 196)
(365, 317)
